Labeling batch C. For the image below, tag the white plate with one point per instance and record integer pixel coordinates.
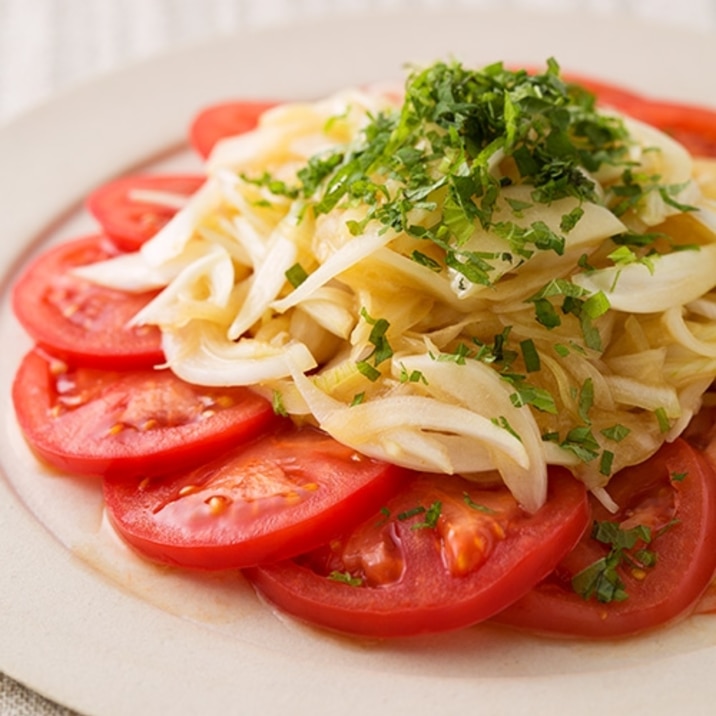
(90, 626)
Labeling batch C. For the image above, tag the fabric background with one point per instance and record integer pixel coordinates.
(49, 45)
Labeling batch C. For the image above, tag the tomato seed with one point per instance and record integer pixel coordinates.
(217, 504)
(115, 429)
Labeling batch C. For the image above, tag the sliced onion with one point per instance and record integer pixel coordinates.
(200, 353)
(672, 280)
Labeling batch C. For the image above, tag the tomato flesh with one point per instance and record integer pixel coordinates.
(129, 423)
(674, 495)
(131, 209)
(226, 119)
(287, 492)
(81, 321)
(410, 571)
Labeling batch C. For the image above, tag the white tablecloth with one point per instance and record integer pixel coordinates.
(48, 45)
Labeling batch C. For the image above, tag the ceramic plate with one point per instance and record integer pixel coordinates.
(92, 627)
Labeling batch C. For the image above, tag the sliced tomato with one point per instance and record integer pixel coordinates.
(132, 209)
(441, 555)
(224, 120)
(130, 423)
(78, 320)
(285, 493)
(673, 496)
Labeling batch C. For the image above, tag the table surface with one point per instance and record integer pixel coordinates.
(47, 46)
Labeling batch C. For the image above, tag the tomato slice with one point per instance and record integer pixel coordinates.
(442, 555)
(673, 494)
(130, 423)
(80, 321)
(285, 493)
(132, 209)
(224, 120)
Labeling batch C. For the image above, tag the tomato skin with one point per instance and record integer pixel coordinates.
(80, 321)
(685, 552)
(131, 423)
(287, 492)
(130, 221)
(224, 120)
(416, 592)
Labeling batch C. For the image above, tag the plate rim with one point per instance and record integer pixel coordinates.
(98, 602)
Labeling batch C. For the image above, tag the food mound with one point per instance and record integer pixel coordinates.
(452, 334)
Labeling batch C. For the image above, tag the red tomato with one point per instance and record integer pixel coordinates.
(128, 423)
(80, 321)
(443, 554)
(224, 120)
(673, 494)
(130, 210)
(286, 493)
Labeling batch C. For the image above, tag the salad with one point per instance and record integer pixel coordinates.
(411, 358)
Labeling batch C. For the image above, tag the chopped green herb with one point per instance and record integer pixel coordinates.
(526, 394)
(663, 420)
(530, 355)
(412, 512)
(570, 220)
(476, 505)
(601, 580)
(582, 443)
(381, 348)
(606, 462)
(277, 404)
(596, 305)
(424, 260)
(432, 515)
(275, 186)
(452, 123)
(413, 376)
(561, 350)
(586, 399)
(617, 432)
(296, 275)
(504, 423)
(384, 516)
(345, 578)
(368, 370)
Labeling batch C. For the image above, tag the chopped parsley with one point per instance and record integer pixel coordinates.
(277, 404)
(381, 347)
(601, 579)
(296, 275)
(453, 122)
(426, 170)
(345, 578)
